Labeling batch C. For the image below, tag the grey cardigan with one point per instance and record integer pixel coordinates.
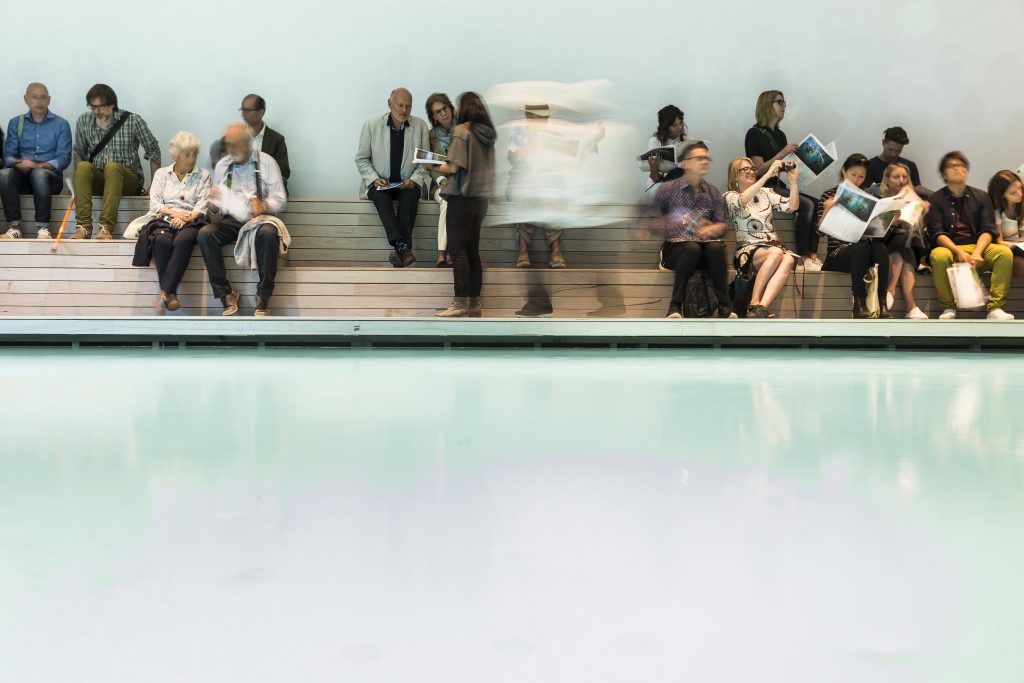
(373, 157)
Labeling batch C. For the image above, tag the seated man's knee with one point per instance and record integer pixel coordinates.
(111, 167)
(941, 257)
(998, 252)
(84, 169)
(266, 232)
(206, 234)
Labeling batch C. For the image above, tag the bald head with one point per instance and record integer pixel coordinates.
(400, 105)
(37, 97)
(238, 142)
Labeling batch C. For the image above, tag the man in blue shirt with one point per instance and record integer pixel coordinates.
(37, 150)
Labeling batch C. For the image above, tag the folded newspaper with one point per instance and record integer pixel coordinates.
(423, 156)
(854, 210)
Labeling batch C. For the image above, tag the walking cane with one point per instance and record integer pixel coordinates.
(67, 213)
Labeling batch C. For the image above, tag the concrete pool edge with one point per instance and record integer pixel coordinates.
(509, 332)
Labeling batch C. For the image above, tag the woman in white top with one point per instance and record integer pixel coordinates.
(671, 131)
(177, 200)
(750, 206)
(904, 242)
(1007, 194)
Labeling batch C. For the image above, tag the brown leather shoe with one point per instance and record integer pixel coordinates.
(408, 257)
(105, 234)
(262, 308)
(170, 301)
(230, 301)
(82, 234)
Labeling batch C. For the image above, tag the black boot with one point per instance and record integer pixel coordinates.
(860, 308)
(884, 312)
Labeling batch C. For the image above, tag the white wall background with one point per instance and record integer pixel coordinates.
(948, 71)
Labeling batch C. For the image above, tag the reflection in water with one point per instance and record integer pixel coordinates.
(828, 514)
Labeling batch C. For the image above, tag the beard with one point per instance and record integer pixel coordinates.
(240, 158)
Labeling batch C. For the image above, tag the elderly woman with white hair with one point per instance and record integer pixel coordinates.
(177, 203)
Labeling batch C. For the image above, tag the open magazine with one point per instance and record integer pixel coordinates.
(667, 153)
(423, 156)
(853, 210)
(814, 157)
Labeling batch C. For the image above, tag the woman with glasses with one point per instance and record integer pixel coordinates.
(766, 142)
(671, 131)
(855, 259)
(750, 206)
(905, 242)
(441, 115)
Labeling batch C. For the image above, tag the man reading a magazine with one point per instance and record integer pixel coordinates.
(384, 159)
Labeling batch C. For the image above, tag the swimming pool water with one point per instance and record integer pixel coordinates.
(511, 516)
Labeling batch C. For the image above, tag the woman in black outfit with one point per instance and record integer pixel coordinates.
(766, 143)
(856, 259)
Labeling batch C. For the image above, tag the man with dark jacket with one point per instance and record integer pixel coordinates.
(962, 228)
(265, 138)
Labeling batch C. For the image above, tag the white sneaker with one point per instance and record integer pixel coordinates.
(998, 314)
(43, 234)
(948, 314)
(889, 301)
(811, 266)
(11, 234)
(916, 314)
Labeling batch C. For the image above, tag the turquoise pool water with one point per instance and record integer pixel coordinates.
(511, 516)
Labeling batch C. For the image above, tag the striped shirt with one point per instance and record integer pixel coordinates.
(123, 148)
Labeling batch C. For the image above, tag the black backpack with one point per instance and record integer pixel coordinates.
(700, 300)
(742, 285)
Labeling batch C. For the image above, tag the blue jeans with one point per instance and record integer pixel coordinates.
(41, 183)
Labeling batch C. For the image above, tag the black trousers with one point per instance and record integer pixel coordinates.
(172, 250)
(807, 237)
(685, 257)
(397, 224)
(465, 216)
(212, 239)
(856, 259)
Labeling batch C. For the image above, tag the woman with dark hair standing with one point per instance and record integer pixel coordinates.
(1007, 194)
(765, 142)
(671, 131)
(441, 115)
(469, 174)
(855, 259)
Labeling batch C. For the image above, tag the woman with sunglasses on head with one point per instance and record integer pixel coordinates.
(855, 259)
(441, 115)
(766, 142)
(671, 131)
(750, 205)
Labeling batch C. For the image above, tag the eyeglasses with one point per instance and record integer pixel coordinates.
(701, 158)
(97, 107)
(746, 169)
(955, 164)
(438, 112)
(781, 103)
(248, 111)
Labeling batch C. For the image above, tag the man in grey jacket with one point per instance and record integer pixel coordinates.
(384, 160)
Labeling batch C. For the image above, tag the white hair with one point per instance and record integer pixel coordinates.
(183, 141)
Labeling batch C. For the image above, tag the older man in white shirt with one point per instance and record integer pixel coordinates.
(384, 159)
(246, 185)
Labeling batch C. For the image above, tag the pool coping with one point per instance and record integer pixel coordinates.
(508, 332)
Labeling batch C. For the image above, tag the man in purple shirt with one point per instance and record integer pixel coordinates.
(36, 152)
